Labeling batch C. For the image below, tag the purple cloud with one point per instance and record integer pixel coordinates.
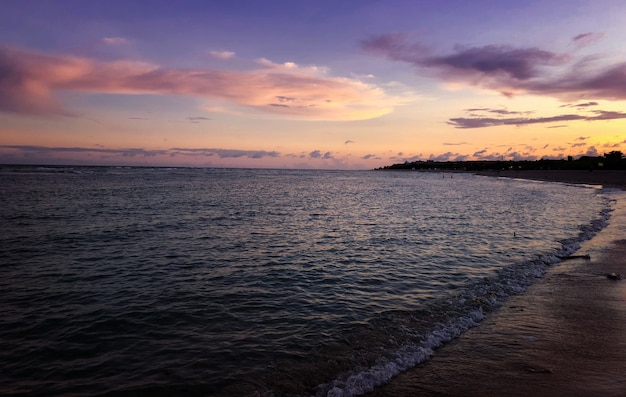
(500, 62)
(584, 39)
(198, 118)
(517, 63)
(482, 122)
(449, 156)
(30, 80)
(509, 70)
(132, 152)
(45, 150)
(316, 154)
(580, 105)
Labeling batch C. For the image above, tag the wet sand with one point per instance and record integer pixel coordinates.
(566, 336)
(607, 178)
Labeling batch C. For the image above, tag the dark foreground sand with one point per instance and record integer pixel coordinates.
(607, 178)
(566, 336)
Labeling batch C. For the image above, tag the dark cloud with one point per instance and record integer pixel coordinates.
(455, 143)
(198, 118)
(316, 154)
(44, 150)
(509, 154)
(503, 60)
(480, 153)
(580, 105)
(585, 39)
(348, 141)
(136, 152)
(224, 153)
(607, 115)
(496, 111)
(518, 63)
(482, 122)
(449, 156)
(510, 70)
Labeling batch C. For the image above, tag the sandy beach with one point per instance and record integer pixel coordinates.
(566, 336)
(606, 178)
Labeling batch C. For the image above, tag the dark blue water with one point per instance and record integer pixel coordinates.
(234, 282)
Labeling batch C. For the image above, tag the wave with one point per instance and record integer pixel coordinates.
(371, 354)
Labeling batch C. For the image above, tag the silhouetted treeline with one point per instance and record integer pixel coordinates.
(610, 161)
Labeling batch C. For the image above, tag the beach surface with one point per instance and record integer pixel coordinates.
(606, 178)
(566, 336)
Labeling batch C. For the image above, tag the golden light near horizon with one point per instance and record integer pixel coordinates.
(377, 93)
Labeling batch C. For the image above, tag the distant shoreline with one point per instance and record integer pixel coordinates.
(606, 178)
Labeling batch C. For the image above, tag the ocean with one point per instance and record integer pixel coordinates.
(237, 282)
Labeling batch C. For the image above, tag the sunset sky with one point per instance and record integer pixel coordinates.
(309, 84)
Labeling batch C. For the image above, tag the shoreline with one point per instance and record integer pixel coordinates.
(606, 178)
(565, 336)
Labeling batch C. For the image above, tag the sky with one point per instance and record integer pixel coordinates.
(324, 84)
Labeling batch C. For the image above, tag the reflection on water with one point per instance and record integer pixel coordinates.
(203, 279)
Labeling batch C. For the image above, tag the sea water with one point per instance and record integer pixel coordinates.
(269, 282)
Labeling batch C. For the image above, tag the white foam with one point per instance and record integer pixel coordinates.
(485, 295)
(407, 357)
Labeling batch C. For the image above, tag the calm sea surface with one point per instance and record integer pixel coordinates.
(234, 282)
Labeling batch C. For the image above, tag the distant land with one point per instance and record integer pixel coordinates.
(609, 161)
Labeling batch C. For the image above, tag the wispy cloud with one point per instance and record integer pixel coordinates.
(497, 111)
(133, 152)
(222, 54)
(29, 81)
(223, 153)
(115, 41)
(482, 122)
(198, 118)
(45, 150)
(510, 70)
(585, 39)
(580, 105)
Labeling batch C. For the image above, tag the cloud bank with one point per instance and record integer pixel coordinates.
(139, 152)
(511, 70)
(29, 80)
(482, 122)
